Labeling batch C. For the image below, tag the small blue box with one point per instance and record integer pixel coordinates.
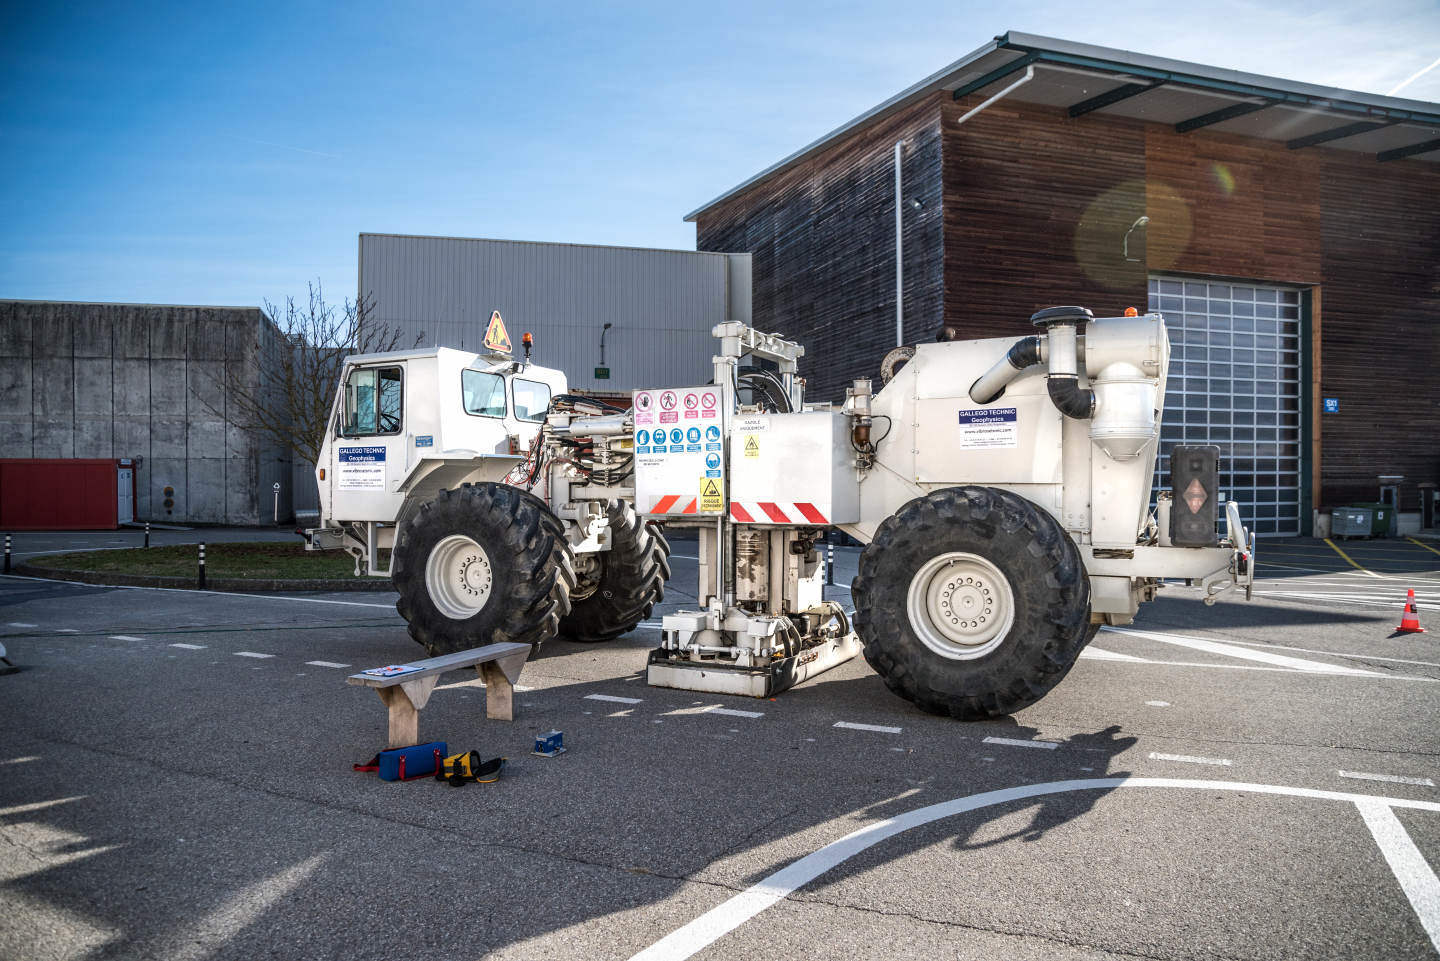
(549, 744)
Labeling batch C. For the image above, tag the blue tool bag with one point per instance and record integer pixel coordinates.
(407, 763)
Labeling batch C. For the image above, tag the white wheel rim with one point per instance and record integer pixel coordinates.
(960, 605)
(459, 577)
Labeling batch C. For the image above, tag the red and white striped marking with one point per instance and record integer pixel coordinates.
(675, 504)
(770, 512)
(749, 512)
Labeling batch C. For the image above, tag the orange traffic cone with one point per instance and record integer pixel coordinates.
(1410, 620)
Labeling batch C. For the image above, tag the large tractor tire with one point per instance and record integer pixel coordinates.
(483, 564)
(972, 602)
(618, 588)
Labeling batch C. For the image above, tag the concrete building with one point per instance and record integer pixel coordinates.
(144, 381)
(1289, 233)
(659, 304)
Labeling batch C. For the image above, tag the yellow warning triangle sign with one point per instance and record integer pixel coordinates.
(710, 488)
(496, 337)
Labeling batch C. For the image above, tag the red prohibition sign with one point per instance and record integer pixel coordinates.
(667, 400)
(643, 402)
(708, 401)
(690, 401)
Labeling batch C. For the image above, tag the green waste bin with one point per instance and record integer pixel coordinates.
(1382, 518)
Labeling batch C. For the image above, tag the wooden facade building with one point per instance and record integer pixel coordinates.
(1289, 233)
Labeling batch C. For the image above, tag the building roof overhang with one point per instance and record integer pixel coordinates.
(1088, 80)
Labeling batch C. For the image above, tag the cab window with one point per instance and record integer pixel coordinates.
(484, 394)
(373, 400)
(532, 399)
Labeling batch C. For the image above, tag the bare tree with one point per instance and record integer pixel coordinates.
(287, 395)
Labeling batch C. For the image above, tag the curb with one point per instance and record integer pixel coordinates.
(241, 585)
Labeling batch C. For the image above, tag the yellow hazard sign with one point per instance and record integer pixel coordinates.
(752, 445)
(712, 496)
(496, 336)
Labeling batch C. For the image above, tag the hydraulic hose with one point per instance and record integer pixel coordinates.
(1025, 352)
(1069, 398)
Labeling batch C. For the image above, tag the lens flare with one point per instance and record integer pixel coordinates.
(1224, 178)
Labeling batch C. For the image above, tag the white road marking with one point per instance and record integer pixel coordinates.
(1100, 655)
(190, 647)
(1017, 742)
(1211, 665)
(1244, 653)
(39, 805)
(1157, 703)
(186, 590)
(701, 707)
(1191, 759)
(1263, 564)
(880, 728)
(326, 664)
(1362, 591)
(613, 699)
(22, 624)
(22, 760)
(1365, 657)
(251, 654)
(1333, 599)
(1395, 778)
(1417, 879)
(729, 915)
(125, 637)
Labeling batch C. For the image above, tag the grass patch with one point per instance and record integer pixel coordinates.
(255, 561)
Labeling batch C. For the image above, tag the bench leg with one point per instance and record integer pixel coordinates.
(404, 719)
(499, 693)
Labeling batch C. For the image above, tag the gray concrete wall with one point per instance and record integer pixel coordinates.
(145, 382)
(662, 303)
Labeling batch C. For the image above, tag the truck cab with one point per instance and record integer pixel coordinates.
(406, 424)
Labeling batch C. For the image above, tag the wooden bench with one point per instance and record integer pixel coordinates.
(404, 694)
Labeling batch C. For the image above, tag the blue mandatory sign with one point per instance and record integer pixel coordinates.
(677, 436)
(693, 447)
(712, 432)
(642, 437)
(693, 435)
(712, 473)
(712, 446)
(712, 461)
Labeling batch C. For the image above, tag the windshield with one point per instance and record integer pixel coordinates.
(532, 399)
(484, 394)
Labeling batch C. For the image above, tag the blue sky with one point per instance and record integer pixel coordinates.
(165, 153)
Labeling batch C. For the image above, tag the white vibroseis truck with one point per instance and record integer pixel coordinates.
(1001, 489)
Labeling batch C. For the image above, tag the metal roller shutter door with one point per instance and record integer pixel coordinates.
(1235, 382)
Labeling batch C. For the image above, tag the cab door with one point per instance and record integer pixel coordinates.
(370, 444)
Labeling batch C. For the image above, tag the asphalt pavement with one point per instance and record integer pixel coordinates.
(1248, 780)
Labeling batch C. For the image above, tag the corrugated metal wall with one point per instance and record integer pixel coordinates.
(662, 303)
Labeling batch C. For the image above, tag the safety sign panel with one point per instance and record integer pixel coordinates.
(360, 469)
(678, 451)
(752, 445)
(994, 427)
(712, 496)
(496, 337)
